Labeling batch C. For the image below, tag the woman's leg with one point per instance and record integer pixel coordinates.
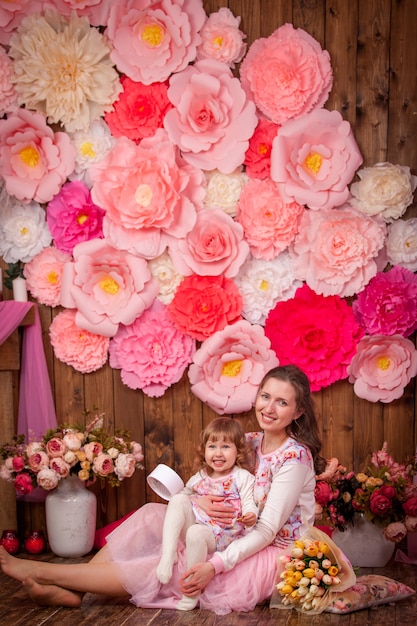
(179, 517)
(199, 543)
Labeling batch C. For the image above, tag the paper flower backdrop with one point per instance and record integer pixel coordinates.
(187, 216)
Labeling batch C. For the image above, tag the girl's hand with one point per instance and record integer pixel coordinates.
(218, 510)
(249, 519)
(196, 579)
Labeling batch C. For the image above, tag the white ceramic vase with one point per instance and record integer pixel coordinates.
(71, 512)
(364, 543)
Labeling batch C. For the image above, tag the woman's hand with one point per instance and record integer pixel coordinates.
(249, 519)
(216, 509)
(196, 579)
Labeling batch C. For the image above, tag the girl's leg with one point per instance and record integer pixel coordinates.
(199, 543)
(179, 517)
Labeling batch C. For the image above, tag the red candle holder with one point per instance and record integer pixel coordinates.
(10, 541)
(35, 543)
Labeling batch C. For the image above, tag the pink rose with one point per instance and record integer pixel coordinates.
(107, 286)
(43, 275)
(215, 246)
(72, 216)
(152, 41)
(137, 451)
(23, 484)
(124, 466)
(18, 463)
(336, 250)
(287, 74)
(55, 447)
(411, 524)
(221, 38)
(395, 532)
(34, 161)
(229, 366)
(72, 441)
(258, 155)
(38, 460)
(379, 503)
(382, 367)
(212, 119)
(410, 506)
(92, 449)
(323, 492)
(47, 479)
(314, 158)
(103, 465)
(59, 466)
(270, 224)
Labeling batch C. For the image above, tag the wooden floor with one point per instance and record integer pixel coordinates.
(17, 609)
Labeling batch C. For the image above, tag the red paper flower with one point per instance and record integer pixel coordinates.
(258, 155)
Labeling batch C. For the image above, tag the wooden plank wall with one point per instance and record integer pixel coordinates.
(374, 58)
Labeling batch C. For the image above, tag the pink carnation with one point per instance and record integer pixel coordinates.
(213, 119)
(319, 334)
(287, 74)
(108, 287)
(34, 161)
(215, 246)
(203, 305)
(258, 155)
(151, 352)
(336, 251)
(382, 367)
(221, 38)
(139, 111)
(43, 275)
(153, 40)
(150, 196)
(229, 367)
(84, 351)
(270, 224)
(8, 95)
(314, 158)
(73, 217)
(388, 304)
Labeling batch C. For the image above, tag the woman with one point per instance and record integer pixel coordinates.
(287, 452)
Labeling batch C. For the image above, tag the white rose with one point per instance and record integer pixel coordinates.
(47, 479)
(72, 441)
(124, 466)
(113, 453)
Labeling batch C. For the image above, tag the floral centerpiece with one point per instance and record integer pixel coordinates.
(384, 493)
(88, 453)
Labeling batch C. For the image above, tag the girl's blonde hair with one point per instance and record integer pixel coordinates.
(230, 430)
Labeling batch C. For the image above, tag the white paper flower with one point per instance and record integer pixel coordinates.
(91, 146)
(163, 270)
(223, 190)
(401, 243)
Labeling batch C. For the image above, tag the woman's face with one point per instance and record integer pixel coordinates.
(276, 406)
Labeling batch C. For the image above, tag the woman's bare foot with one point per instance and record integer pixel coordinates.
(16, 568)
(51, 595)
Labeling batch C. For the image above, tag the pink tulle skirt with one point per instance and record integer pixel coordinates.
(135, 547)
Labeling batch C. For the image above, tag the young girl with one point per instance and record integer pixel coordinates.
(222, 460)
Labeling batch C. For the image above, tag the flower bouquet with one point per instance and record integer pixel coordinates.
(312, 570)
(384, 494)
(88, 453)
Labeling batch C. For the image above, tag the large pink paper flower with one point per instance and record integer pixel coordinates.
(84, 351)
(150, 196)
(401, 243)
(270, 224)
(151, 352)
(139, 111)
(287, 73)
(215, 246)
(73, 217)
(382, 367)
(203, 305)
(319, 334)
(151, 40)
(336, 250)
(34, 161)
(43, 275)
(388, 304)
(314, 158)
(221, 38)
(108, 287)
(12, 13)
(258, 155)
(229, 366)
(213, 119)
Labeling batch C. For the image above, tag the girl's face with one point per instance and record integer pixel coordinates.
(276, 406)
(220, 456)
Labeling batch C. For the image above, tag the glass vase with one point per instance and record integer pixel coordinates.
(71, 511)
(364, 543)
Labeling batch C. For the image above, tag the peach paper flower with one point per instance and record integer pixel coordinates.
(258, 155)
(221, 38)
(151, 352)
(43, 275)
(336, 250)
(203, 305)
(401, 243)
(152, 40)
(229, 366)
(215, 246)
(212, 119)
(314, 158)
(108, 287)
(287, 74)
(270, 223)
(382, 367)
(82, 350)
(34, 161)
